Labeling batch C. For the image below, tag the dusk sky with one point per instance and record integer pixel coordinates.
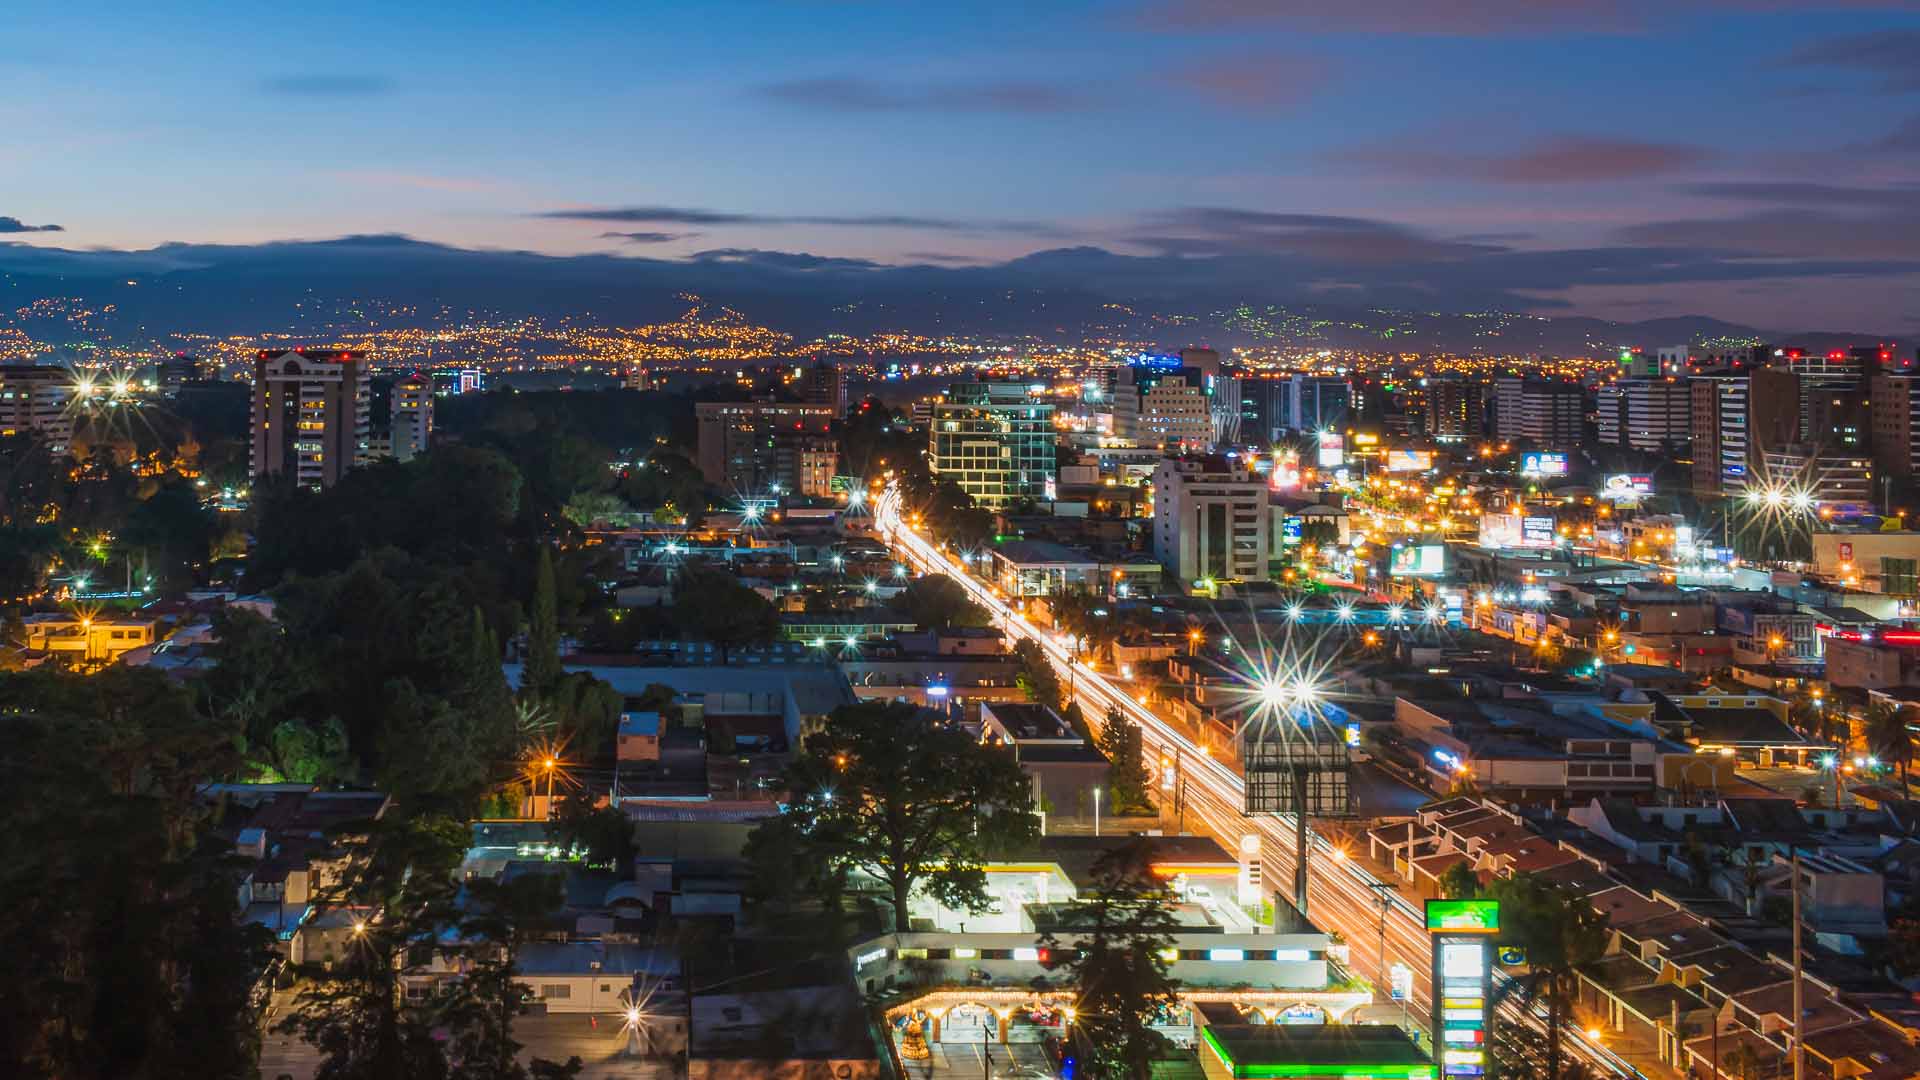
(1594, 142)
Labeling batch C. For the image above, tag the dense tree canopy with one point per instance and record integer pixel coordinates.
(887, 791)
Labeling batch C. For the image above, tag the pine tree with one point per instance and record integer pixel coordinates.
(543, 631)
(1118, 961)
(1127, 773)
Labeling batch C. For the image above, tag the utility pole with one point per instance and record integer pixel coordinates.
(1799, 1011)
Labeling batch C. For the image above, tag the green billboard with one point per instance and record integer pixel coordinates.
(1463, 916)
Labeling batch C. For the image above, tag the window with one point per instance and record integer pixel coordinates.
(556, 991)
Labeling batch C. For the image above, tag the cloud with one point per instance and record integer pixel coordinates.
(322, 85)
(15, 225)
(1886, 55)
(851, 94)
(648, 237)
(681, 215)
(1904, 139)
(782, 260)
(1214, 230)
(1467, 18)
(1253, 81)
(1556, 160)
(1797, 220)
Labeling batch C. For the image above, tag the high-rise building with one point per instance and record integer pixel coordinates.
(825, 384)
(1719, 433)
(1896, 424)
(993, 440)
(1210, 521)
(310, 414)
(1549, 413)
(1645, 414)
(1262, 404)
(411, 416)
(1203, 360)
(804, 462)
(1176, 412)
(1840, 481)
(738, 445)
(38, 399)
(634, 376)
(1455, 409)
(1318, 402)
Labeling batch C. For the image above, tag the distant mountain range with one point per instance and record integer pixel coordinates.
(1068, 296)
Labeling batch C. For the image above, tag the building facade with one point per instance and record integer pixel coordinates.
(1210, 521)
(740, 443)
(1896, 420)
(1719, 433)
(1654, 415)
(1318, 403)
(310, 414)
(994, 441)
(412, 416)
(37, 399)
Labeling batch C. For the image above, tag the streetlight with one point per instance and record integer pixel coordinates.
(549, 765)
(1096, 811)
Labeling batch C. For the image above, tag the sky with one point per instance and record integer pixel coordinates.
(1624, 158)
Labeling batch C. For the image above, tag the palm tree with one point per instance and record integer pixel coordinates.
(1889, 736)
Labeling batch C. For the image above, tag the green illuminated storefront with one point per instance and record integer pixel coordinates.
(1311, 1053)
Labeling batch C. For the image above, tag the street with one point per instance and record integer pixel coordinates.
(1342, 896)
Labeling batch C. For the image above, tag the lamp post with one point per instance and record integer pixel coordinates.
(1096, 811)
(548, 764)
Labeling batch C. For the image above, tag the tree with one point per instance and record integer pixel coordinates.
(1890, 738)
(400, 893)
(543, 631)
(121, 942)
(1036, 675)
(1563, 936)
(1459, 882)
(938, 602)
(605, 832)
(718, 609)
(1118, 960)
(503, 916)
(1126, 757)
(917, 804)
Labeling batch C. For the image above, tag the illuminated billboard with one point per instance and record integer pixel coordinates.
(1626, 487)
(1409, 460)
(1463, 917)
(1286, 470)
(1419, 560)
(1333, 450)
(1541, 463)
(1536, 532)
(1290, 527)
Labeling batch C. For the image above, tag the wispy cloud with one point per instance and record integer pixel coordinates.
(1883, 55)
(1561, 159)
(1253, 80)
(649, 237)
(15, 225)
(326, 85)
(1467, 18)
(681, 215)
(852, 94)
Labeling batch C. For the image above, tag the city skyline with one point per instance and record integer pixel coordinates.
(1751, 160)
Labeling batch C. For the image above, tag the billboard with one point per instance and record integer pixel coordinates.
(1419, 560)
(1463, 916)
(1542, 463)
(1290, 529)
(1626, 487)
(1286, 470)
(1409, 460)
(1333, 450)
(1536, 532)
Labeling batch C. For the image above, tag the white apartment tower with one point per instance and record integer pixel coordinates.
(1210, 521)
